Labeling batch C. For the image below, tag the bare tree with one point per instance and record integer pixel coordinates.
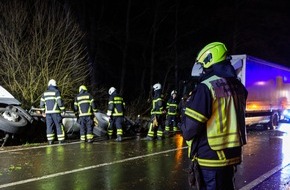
(40, 41)
(125, 50)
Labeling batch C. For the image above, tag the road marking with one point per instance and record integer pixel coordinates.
(86, 168)
(2, 150)
(36, 147)
(250, 185)
(263, 177)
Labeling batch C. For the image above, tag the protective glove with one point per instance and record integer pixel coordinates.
(154, 121)
(96, 122)
(63, 112)
(43, 114)
(110, 127)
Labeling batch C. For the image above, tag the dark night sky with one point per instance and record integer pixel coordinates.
(256, 27)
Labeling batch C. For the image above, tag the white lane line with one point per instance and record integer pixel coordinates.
(264, 177)
(36, 147)
(85, 168)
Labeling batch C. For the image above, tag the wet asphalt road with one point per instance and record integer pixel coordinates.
(137, 164)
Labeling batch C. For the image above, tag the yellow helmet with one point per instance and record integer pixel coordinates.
(82, 87)
(211, 54)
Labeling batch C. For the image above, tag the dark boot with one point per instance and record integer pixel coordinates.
(61, 142)
(50, 142)
(160, 138)
(119, 138)
(166, 133)
(90, 140)
(148, 138)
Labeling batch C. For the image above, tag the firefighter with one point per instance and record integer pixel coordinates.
(215, 120)
(171, 113)
(52, 106)
(116, 108)
(155, 124)
(84, 108)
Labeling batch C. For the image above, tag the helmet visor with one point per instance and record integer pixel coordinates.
(197, 69)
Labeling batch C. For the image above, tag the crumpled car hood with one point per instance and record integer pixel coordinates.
(7, 98)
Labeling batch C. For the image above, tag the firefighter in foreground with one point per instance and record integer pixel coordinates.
(215, 120)
(155, 125)
(52, 105)
(116, 108)
(84, 108)
(171, 114)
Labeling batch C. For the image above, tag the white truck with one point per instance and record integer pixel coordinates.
(268, 86)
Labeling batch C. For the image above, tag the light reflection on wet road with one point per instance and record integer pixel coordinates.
(132, 164)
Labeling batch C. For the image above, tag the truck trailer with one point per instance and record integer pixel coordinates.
(268, 86)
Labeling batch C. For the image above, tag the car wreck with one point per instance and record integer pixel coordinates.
(29, 125)
(13, 118)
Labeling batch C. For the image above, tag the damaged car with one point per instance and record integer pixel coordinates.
(13, 118)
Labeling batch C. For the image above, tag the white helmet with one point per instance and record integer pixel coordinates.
(51, 82)
(111, 90)
(157, 86)
(173, 92)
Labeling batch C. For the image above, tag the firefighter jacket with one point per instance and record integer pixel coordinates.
(51, 101)
(116, 105)
(215, 118)
(172, 107)
(157, 103)
(84, 104)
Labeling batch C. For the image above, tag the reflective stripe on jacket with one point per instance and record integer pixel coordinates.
(116, 105)
(157, 103)
(84, 104)
(221, 113)
(172, 107)
(51, 101)
(224, 125)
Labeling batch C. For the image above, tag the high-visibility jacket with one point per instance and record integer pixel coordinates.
(157, 103)
(215, 120)
(84, 104)
(172, 107)
(51, 101)
(116, 105)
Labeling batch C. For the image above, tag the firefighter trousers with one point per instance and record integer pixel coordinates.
(86, 127)
(116, 124)
(54, 122)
